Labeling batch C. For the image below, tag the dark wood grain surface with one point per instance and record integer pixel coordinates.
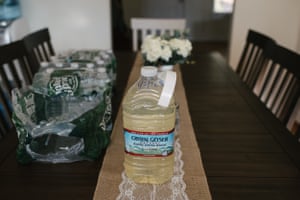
(247, 153)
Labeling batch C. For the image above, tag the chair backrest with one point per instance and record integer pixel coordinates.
(279, 81)
(252, 56)
(39, 47)
(154, 26)
(14, 72)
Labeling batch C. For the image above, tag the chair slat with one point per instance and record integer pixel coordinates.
(16, 79)
(45, 53)
(4, 77)
(24, 65)
(144, 33)
(256, 70)
(134, 40)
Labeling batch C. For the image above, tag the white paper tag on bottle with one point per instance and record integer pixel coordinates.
(168, 89)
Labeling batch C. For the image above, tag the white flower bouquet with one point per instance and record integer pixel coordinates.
(163, 50)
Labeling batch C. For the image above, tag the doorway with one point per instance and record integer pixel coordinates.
(124, 10)
(208, 30)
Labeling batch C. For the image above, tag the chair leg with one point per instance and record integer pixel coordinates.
(134, 40)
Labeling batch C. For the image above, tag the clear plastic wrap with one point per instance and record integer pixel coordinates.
(64, 126)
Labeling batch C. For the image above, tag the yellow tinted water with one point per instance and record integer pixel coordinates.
(154, 170)
(141, 113)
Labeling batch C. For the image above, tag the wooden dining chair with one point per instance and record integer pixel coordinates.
(39, 47)
(252, 56)
(154, 26)
(14, 72)
(278, 83)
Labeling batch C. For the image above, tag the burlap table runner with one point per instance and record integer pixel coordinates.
(194, 175)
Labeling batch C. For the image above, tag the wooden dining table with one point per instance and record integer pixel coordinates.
(246, 152)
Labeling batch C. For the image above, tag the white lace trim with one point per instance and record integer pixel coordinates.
(172, 190)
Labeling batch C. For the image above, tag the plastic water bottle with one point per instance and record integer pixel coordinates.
(55, 106)
(110, 63)
(113, 64)
(9, 10)
(149, 121)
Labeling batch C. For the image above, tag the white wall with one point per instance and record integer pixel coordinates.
(18, 29)
(73, 24)
(279, 19)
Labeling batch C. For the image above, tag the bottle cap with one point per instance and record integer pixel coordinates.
(105, 56)
(49, 70)
(53, 58)
(59, 64)
(90, 65)
(149, 71)
(44, 64)
(101, 69)
(96, 58)
(74, 65)
(168, 89)
(100, 62)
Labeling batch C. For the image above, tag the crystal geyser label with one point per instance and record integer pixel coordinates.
(153, 144)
